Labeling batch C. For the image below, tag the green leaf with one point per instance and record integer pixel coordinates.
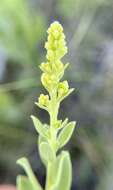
(63, 176)
(46, 153)
(66, 134)
(42, 107)
(25, 164)
(41, 139)
(23, 183)
(67, 94)
(63, 123)
(43, 131)
(65, 67)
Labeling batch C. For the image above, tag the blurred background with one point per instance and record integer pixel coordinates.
(88, 26)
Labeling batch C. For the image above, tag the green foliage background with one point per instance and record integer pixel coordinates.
(89, 31)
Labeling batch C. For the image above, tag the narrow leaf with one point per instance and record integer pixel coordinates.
(23, 183)
(63, 123)
(66, 66)
(43, 131)
(25, 164)
(66, 134)
(67, 94)
(42, 107)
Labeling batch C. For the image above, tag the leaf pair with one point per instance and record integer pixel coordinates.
(63, 137)
(60, 171)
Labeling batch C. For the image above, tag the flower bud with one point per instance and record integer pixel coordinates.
(56, 42)
(50, 55)
(45, 67)
(43, 100)
(56, 34)
(63, 88)
(48, 81)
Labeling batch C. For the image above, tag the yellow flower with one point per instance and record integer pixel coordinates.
(54, 68)
(48, 81)
(55, 26)
(43, 100)
(46, 67)
(56, 45)
(63, 88)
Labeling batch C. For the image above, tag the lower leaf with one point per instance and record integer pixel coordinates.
(25, 164)
(63, 176)
(23, 183)
(46, 153)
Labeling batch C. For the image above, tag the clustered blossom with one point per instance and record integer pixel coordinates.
(53, 69)
(56, 45)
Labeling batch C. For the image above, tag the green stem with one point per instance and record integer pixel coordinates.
(48, 180)
(51, 168)
(54, 107)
